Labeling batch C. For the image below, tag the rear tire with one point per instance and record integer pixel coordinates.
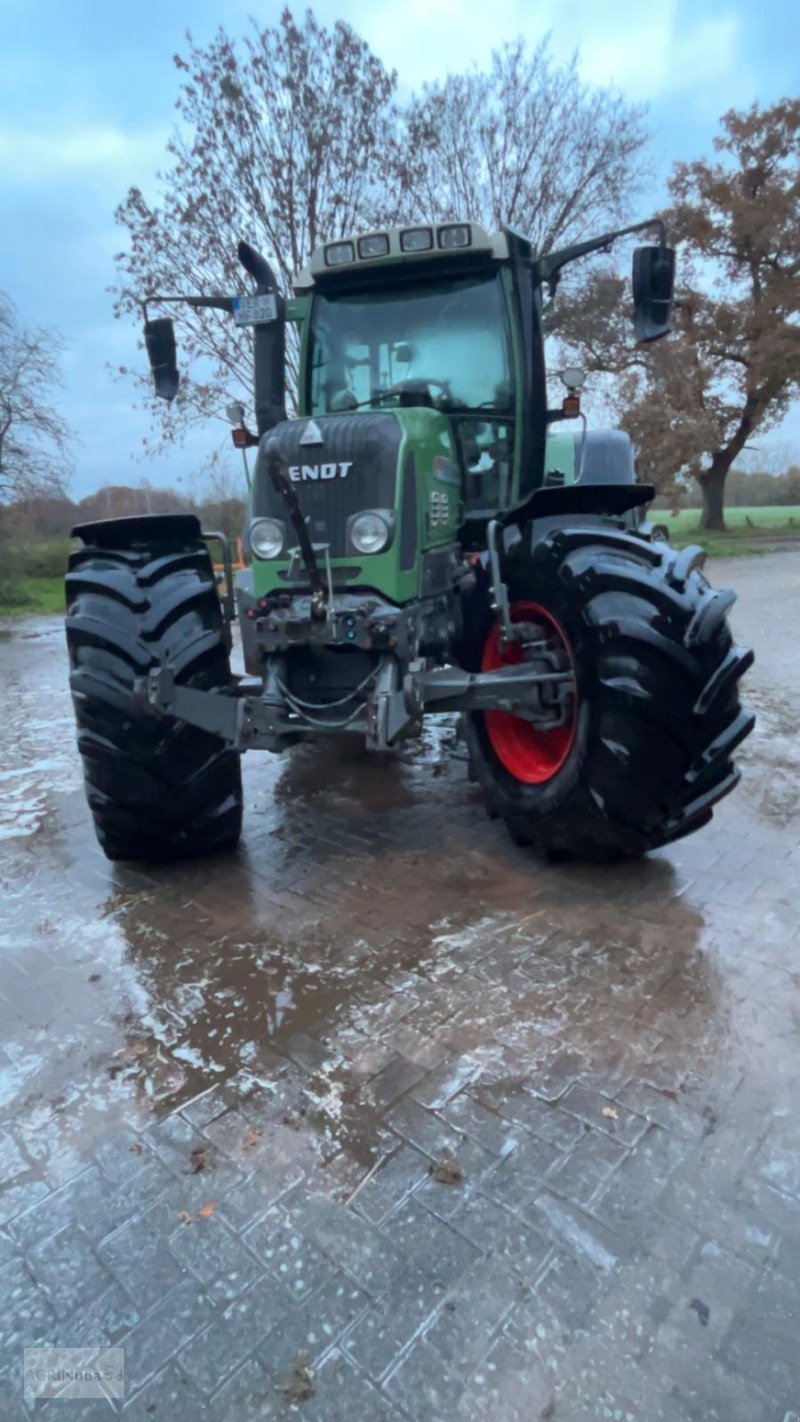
(158, 789)
(657, 715)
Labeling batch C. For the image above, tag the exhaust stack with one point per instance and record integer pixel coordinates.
(269, 344)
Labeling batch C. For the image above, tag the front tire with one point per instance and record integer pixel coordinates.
(158, 789)
(646, 753)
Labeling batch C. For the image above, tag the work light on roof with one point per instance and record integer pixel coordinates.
(376, 245)
(456, 235)
(416, 239)
(338, 254)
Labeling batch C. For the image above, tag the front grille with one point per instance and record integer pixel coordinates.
(368, 444)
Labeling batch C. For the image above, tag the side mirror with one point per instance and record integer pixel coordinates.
(653, 277)
(159, 338)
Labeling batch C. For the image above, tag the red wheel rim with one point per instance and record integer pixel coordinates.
(531, 755)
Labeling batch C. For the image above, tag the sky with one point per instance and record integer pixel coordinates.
(87, 96)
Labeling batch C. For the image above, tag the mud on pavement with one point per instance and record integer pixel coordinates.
(380, 1117)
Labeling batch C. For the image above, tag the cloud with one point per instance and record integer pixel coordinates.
(648, 51)
(656, 53)
(28, 156)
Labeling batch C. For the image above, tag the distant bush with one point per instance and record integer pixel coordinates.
(36, 558)
(12, 594)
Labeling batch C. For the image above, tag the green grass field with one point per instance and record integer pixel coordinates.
(31, 595)
(32, 574)
(749, 530)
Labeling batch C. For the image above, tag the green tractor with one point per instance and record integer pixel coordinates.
(412, 548)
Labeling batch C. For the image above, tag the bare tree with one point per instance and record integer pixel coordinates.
(293, 137)
(283, 139)
(526, 143)
(34, 438)
(732, 366)
(222, 500)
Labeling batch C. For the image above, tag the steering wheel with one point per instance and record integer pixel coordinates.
(412, 387)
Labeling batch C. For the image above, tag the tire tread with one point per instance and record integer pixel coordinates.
(662, 715)
(158, 789)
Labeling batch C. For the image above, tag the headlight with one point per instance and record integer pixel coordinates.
(416, 239)
(266, 537)
(375, 246)
(369, 532)
(339, 254)
(458, 234)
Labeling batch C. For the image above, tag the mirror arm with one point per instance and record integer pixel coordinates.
(548, 268)
(217, 303)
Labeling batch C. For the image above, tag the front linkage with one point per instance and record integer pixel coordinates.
(392, 698)
(385, 711)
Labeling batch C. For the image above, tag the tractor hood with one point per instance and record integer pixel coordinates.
(400, 462)
(339, 466)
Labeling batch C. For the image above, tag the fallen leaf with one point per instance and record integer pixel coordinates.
(300, 1384)
(702, 1310)
(204, 1213)
(251, 1139)
(609, 1111)
(136, 1148)
(446, 1171)
(129, 1053)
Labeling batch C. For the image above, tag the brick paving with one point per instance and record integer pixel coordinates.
(228, 1089)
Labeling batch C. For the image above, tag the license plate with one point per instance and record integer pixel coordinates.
(255, 310)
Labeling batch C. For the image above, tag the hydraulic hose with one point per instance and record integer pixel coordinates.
(282, 486)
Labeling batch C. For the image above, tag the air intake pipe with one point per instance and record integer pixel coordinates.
(269, 344)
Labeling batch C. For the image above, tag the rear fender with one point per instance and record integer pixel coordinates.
(164, 533)
(571, 499)
(182, 529)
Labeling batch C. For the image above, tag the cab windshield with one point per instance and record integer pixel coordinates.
(447, 341)
(445, 344)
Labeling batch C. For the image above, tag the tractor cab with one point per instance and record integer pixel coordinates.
(428, 318)
(433, 334)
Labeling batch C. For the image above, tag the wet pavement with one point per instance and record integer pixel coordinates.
(380, 1117)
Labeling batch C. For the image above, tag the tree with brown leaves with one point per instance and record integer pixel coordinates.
(732, 366)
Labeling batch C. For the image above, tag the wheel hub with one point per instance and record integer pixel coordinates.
(533, 755)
